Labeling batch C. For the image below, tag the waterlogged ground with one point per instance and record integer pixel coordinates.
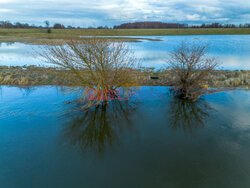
(151, 140)
(233, 51)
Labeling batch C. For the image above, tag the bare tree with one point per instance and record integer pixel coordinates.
(95, 64)
(47, 26)
(190, 68)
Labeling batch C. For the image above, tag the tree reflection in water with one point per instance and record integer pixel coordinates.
(189, 115)
(97, 128)
(26, 89)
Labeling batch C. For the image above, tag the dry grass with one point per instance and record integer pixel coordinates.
(33, 75)
(39, 36)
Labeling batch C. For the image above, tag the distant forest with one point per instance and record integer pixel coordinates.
(150, 25)
(135, 25)
(162, 25)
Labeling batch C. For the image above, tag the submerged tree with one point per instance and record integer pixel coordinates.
(97, 66)
(190, 68)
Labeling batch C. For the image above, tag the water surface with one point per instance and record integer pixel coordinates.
(151, 140)
(232, 51)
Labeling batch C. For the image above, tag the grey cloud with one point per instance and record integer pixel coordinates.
(110, 12)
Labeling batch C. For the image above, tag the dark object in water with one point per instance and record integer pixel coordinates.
(154, 77)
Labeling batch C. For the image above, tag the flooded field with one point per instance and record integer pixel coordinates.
(233, 51)
(150, 140)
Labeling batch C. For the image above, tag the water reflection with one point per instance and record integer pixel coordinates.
(147, 155)
(96, 129)
(231, 50)
(7, 43)
(26, 89)
(189, 115)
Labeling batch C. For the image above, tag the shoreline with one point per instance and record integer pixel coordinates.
(39, 36)
(36, 76)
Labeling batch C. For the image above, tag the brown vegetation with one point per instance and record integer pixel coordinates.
(190, 69)
(143, 76)
(101, 65)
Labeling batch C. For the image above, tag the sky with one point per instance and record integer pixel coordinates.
(94, 13)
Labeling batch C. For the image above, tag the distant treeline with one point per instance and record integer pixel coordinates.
(150, 25)
(162, 25)
(135, 25)
(18, 25)
(217, 25)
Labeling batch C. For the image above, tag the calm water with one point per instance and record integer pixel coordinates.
(151, 140)
(233, 51)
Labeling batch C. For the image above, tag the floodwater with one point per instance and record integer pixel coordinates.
(150, 140)
(232, 51)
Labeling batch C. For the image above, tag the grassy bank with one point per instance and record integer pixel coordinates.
(33, 75)
(40, 36)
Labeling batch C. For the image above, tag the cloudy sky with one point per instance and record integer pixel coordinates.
(112, 12)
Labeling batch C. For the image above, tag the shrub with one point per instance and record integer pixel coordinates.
(97, 64)
(190, 68)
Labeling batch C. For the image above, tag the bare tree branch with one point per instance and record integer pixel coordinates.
(190, 68)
